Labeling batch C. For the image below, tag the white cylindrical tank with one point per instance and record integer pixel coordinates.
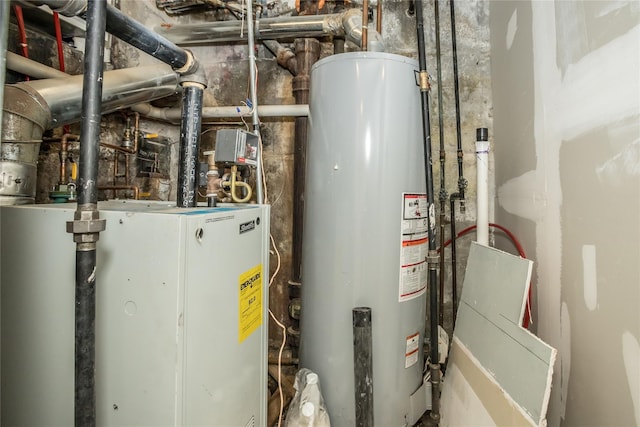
(365, 227)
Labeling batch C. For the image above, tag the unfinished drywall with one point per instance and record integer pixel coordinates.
(567, 183)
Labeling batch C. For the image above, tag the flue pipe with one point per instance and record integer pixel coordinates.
(347, 24)
(32, 107)
(432, 255)
(87, 225)
(482, 168)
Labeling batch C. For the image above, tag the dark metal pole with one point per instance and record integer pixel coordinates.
(442, 195)
(307, 53)
(462, 182)
(363, 366)
(433, 255)
(190, 126)
(87, 224)
(454, 272)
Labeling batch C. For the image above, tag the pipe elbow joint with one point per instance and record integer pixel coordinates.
(191, 70)
(197, 76)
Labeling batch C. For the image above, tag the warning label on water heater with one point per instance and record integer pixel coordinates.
(414, 246)
(250, 302)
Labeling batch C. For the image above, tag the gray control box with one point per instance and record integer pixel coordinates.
(236, 146)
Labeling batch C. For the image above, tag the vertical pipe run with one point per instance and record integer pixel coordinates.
(462, 183)
(442, 195)
(190, 126)
(4, 34)
(307, 53)
(454, 272)
(365, 25)
(482, 156)
(432, 274)
(87, 213)
(254, 100)
(379, 17)
(363, 366)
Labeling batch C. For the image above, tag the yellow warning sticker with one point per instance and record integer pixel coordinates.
(250, 302)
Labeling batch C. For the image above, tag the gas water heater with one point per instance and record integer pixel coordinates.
(365, 231)
(181, 306)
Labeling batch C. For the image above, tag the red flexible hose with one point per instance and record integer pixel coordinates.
(527, 318)
(22, 32)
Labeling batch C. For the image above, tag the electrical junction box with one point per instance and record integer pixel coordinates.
(236, 146)
(181, 315)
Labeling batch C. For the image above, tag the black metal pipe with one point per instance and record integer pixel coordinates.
(432, 257)
(87, 222)
(363, 366)
(190, 126)
(130, 31)
(85, 315)
(454, 272)
(137, 35)
(442, 195)
(462, 182)
(307, 53)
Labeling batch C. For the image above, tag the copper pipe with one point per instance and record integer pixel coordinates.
(64, 151)
(379, 18)
(365, 24)
(134, 188)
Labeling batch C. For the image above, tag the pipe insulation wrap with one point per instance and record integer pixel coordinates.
(121, 89)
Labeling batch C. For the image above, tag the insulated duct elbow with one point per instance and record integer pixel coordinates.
(32, 107)
(351, 22)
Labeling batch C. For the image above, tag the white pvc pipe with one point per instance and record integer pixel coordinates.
(482, 204)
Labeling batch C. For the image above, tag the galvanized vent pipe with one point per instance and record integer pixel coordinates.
(32, 107)
(347, 24)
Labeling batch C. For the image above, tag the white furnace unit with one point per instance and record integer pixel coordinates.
(181, 315)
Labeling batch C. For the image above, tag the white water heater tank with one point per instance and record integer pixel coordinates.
(365, 230)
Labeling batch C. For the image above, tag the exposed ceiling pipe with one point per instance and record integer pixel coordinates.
(130, 31)
(32, 68)
(347, 24)
(173, 115)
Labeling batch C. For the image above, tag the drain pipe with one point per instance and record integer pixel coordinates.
(193, 86)
(482, 156)
(442, 195)
(307, 53)
(432, 256)
(363, 366)
(254, 100)
(87, 225)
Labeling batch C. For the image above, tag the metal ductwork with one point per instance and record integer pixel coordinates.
(347, 24)
(30, 108)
